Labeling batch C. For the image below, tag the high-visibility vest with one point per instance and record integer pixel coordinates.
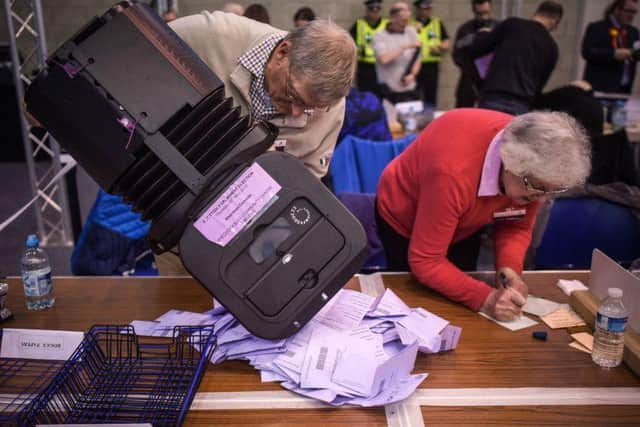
(430, 35)
(364, 39)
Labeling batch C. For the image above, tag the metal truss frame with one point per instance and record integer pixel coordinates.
(26, 30)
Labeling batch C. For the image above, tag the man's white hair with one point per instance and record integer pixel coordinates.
(550, 146)
(324, 56)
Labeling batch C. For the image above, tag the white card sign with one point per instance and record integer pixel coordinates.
(39, 344)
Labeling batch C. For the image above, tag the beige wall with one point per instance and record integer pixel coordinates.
(63, 17)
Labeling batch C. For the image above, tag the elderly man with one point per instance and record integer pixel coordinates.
(470, 168)
(397, 56)
(608, 47)
(297, 81)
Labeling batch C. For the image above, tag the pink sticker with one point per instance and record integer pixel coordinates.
(238, 205)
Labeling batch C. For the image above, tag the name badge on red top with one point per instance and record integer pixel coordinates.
(509, 214)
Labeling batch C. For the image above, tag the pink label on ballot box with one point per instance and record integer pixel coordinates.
(238, 205)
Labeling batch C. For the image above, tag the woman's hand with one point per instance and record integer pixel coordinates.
(513, 280)
(503, 304)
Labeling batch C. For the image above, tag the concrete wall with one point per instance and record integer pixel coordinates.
(63, 18)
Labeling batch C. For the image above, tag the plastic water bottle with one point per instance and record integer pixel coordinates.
(411, 123)
(36, 276)
(619, 116)
(608, 339)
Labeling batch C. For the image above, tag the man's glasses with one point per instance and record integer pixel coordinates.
(295, 99)
(540, 191)
(374, 8)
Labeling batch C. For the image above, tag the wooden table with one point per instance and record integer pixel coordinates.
(494, 376)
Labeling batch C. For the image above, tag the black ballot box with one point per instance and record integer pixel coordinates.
(149, 121)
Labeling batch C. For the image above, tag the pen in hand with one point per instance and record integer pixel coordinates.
(504, 280)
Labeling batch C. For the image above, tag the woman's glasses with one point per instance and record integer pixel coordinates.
(540, 191)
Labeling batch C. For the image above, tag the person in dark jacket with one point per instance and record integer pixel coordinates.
(524, 55)
(468, 84)
(577, 100)
(608, 48)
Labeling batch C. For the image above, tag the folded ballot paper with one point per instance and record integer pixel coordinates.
(358, 350)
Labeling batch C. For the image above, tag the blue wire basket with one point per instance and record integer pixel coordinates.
(21, 383)
(114, 376)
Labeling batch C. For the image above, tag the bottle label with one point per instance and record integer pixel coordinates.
(612, 324)
(37, 282)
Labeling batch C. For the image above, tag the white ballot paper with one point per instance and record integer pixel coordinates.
(366, 382)
(520, 322)
(539, 306)
(184, 318)
(164, 325)
(346, 311)
(151, 328)
(426, 327)
(388, 304)
(569, 286)
(357, 350)
(39, 344)
(450, 337)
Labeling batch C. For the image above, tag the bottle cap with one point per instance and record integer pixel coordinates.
(540, 335)
(32, 241)
(615, 292)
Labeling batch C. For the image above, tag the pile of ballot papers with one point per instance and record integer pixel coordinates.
(358, 350)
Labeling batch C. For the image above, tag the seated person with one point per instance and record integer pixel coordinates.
(575, 99)
(397, 51)
(467, 169)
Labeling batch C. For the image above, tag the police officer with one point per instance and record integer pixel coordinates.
(362, 32)
(435, 42)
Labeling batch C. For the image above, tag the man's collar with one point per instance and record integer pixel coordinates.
(256, 58)
(389, 30)
(375, 24)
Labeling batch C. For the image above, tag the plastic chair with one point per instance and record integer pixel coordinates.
(357, 163)
(577, 226)
(362, 206)
(113, 241)
(364, 117)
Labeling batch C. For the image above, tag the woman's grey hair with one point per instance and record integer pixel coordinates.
(324, 56)
(550, 146)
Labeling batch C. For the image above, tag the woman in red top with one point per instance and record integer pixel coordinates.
(470, 168)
